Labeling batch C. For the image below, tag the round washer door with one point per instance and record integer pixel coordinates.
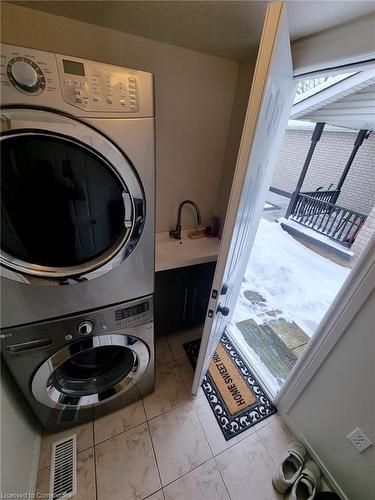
(91, 371)
(72, 205)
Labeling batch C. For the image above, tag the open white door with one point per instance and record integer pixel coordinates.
(267, 115)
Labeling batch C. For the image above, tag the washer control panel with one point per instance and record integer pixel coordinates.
(94, 86)
(124, 318)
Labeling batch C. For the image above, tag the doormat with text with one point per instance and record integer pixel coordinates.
(235, 395)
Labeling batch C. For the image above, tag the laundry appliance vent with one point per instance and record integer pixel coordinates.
(63, 479)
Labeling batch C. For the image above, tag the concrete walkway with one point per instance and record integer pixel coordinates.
(280, 204)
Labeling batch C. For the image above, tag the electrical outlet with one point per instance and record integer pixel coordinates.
(359, 440)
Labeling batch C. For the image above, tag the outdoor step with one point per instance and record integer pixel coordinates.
(254, 297)
(289, 332)
(272, 351)
(299, 350)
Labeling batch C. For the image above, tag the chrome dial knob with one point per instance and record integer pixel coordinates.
(26, 75)
(85, 327)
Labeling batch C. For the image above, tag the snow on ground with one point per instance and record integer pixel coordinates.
(294, 280)
(296, 283)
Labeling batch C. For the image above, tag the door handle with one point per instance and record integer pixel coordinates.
(224, 310)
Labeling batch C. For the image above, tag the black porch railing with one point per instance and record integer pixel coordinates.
(338, 223)
(329, 196)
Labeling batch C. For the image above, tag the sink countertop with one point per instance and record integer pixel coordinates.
(171, 253)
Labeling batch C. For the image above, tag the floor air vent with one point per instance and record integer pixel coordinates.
(63, 480)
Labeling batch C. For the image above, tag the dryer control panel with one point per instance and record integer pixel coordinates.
(95, 86)
(41, 78)
(29, 72)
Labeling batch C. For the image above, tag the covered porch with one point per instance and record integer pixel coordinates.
(348, 104)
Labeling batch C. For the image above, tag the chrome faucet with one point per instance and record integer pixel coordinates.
(176, 233)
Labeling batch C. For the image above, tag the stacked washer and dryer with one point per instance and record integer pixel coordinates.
(77, 233)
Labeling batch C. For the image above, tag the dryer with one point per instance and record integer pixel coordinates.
(77, 154)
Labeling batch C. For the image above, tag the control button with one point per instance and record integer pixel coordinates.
(24, 74)
(77, 93)
(68, 82)
(96, 99)
(68, 337)
(85, 327)
(84, 85)
(76, 83)
(109, 101)
(122, 101)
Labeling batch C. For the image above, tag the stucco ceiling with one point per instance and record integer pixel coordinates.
(229, 29)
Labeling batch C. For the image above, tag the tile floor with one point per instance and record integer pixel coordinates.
(169, 446)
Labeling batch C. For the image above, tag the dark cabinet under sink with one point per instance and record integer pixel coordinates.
(181, 297)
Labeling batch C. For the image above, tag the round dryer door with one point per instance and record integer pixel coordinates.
(91, 371)
(72, 205)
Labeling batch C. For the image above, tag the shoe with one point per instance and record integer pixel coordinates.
(290, 467)
(307, 483)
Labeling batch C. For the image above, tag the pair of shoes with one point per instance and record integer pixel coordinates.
(291, 473)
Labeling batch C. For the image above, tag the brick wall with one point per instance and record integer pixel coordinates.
(364, 235)
(327, 164)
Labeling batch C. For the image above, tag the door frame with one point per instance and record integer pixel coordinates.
(351, 296)
(268, 110)
(353, 293)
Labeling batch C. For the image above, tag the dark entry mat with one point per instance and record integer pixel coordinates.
(235, 395)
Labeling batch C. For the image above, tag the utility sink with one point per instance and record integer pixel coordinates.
(171, 253)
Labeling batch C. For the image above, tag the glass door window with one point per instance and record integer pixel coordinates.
(62, 205)
(72, 205)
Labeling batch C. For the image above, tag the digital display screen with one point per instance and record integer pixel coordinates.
(132, 311)
(73, 68)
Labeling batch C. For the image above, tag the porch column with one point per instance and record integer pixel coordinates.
(362, 135)
(318, 130)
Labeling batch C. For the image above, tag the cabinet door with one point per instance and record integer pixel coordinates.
(199, 292)
(170, 303)
(181, 297)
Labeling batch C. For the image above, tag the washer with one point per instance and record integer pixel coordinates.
(79, 368)
(77, 155)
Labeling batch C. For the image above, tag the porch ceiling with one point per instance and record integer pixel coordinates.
(349, 104)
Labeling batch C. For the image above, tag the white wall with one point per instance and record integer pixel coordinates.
(20, 441)
(194, 96)
(339, 398)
